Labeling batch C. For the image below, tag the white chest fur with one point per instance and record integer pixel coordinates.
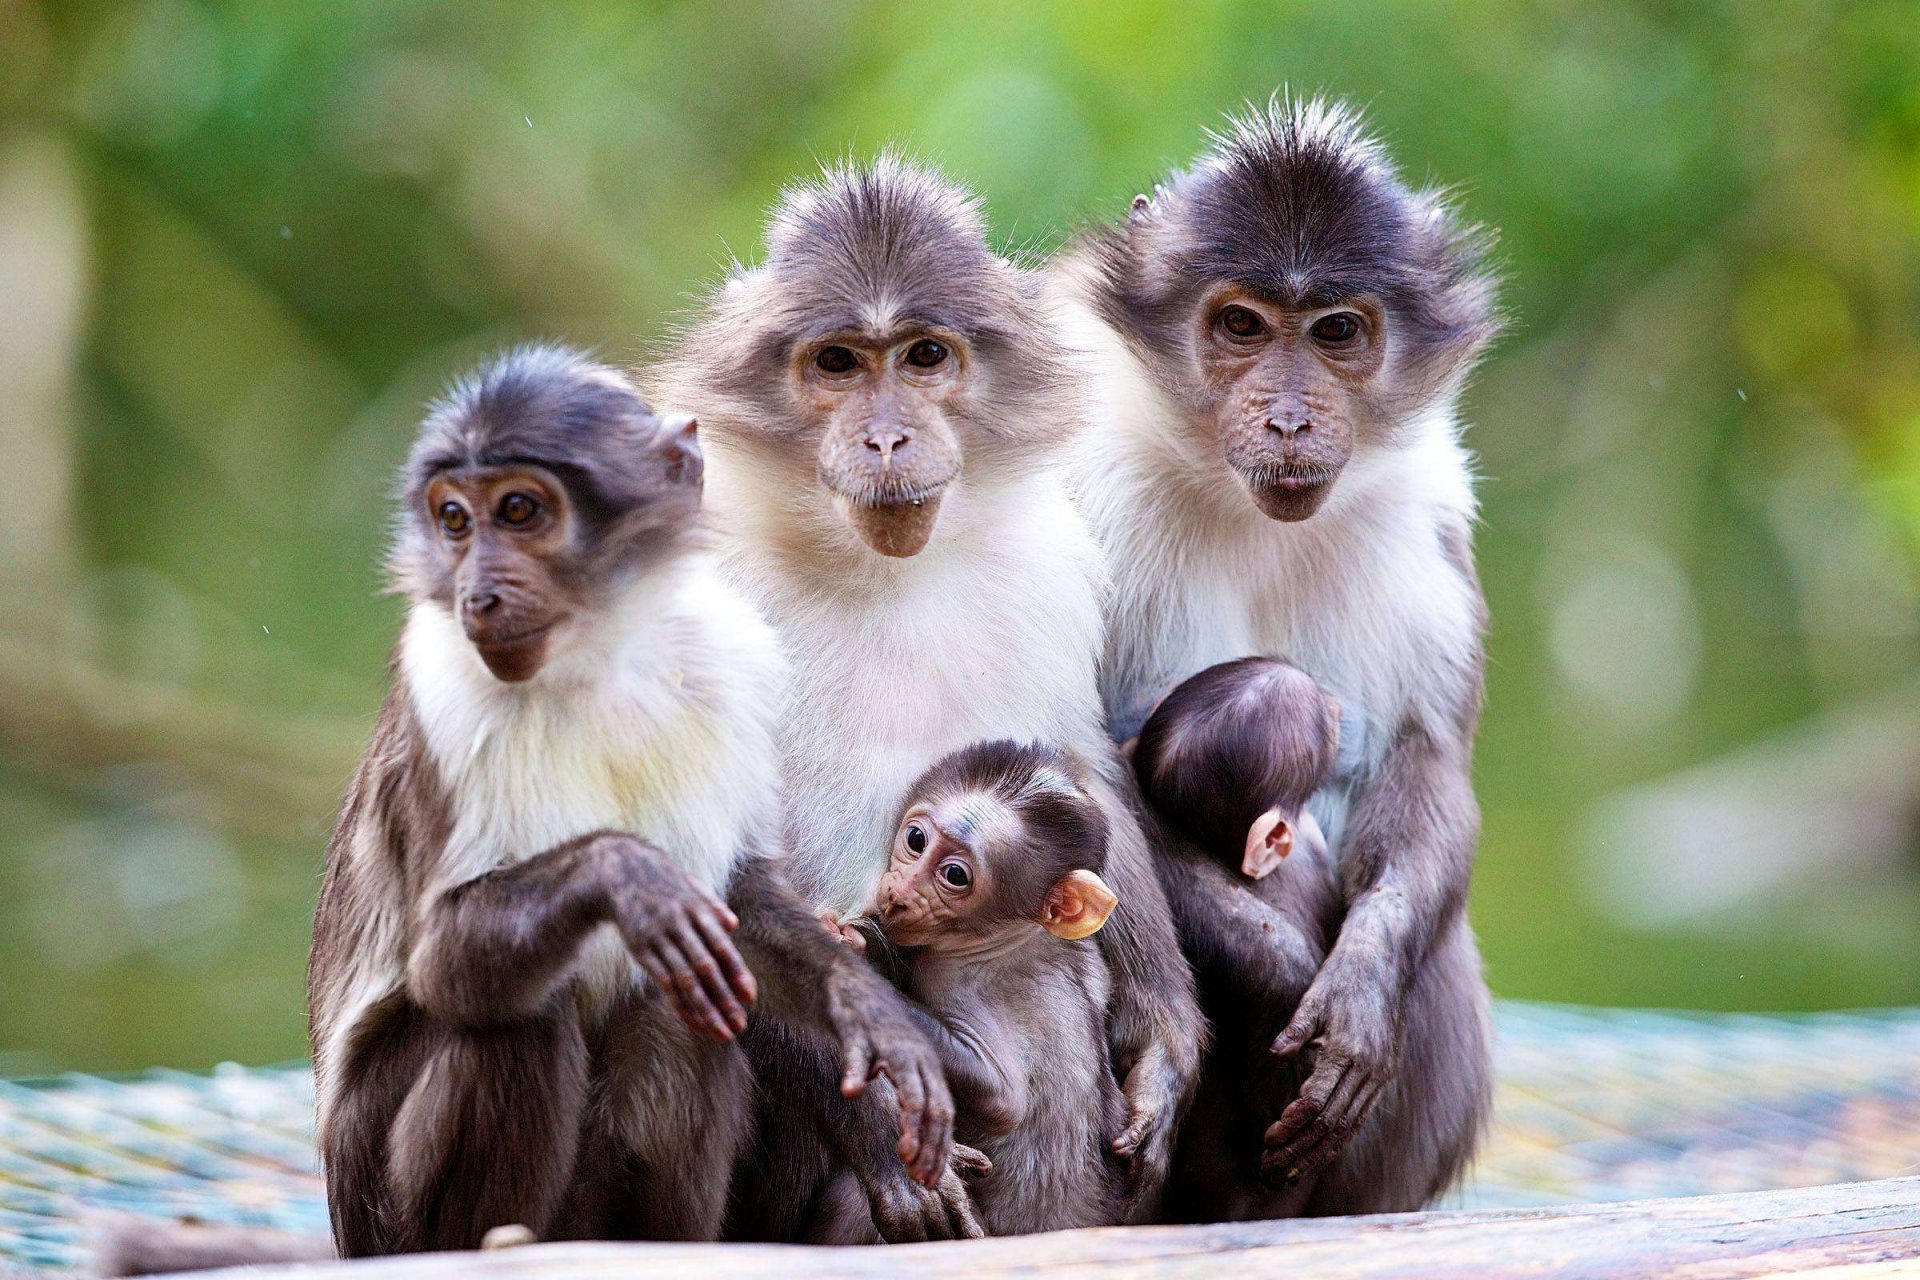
(1362, 595)
(992, 632)
(659, 721)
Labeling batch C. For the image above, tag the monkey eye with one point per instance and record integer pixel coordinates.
(927, 354)
(1341, 326)
(835, 360)
(517, 509)
(453, 518)
(916, 838)
(1242, 322)
(955, 875)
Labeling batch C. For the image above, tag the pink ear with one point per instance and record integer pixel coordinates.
(1269, 839)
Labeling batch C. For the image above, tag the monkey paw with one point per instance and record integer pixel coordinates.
(1353, 1061)
(904, 1211)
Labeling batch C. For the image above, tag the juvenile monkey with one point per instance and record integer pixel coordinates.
(524, 986)
(993, 888)
(889, 409)
(1229, 760)
(1276, 340)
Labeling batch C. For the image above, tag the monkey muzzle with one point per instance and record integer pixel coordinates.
(513, 650)
(898, 529)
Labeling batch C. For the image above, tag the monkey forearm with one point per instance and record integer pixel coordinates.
(1154, 1002)
(795, 958)
(1407, 863)
(497, 947)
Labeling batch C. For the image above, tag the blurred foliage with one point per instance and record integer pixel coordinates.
(241, 243)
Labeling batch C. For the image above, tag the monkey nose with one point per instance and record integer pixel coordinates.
(483, 603)
(884, 442)
(1288, 430)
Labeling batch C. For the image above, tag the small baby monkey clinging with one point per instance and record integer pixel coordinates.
(993, 882)
(1230, 759)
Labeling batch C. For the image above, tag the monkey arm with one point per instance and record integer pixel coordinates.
(1407, 860)
(498, 947)
(1154, 1027)
(816, 983)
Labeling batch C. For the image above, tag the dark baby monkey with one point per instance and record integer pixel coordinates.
(1229, 759)
(992, 890)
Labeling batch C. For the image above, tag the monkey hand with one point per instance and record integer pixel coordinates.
(1350, 1029)
(1153, 1092)
(677, 931)
(904, 1211)
(843, 931)
(878, 1037)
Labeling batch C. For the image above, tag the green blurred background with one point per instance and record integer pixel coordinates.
(240, 244)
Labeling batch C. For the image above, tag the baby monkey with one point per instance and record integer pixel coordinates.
(1229, 760)
(993, 886)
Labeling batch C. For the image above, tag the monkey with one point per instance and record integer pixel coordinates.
(1274, 342)
(556, 888)
(993, 887)
(1229, 760)
(889, 411)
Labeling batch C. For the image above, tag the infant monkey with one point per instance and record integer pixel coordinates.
(993, 885)
(1229, 760)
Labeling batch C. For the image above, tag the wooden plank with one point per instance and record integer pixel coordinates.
(1850, 1231)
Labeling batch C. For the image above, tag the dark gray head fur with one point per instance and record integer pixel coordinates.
(633, 492)
(1296, 203)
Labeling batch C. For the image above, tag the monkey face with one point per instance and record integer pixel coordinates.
(504, 535)
(525, 553)
(935, 884)
(1287, 390)
(887, 448)
(967, 876)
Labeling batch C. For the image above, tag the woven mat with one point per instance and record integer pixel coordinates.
(1592, 1105)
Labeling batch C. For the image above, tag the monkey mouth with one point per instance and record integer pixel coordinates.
(514, 656)
(897, 523)
(1289, 491)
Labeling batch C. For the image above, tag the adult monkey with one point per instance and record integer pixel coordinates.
(1279, 337)
(887, 407)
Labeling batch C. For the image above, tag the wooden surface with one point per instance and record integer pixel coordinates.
(1852, 1231)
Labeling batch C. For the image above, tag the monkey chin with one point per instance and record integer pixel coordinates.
(517, 660)
(1288, 499)
(897, 529)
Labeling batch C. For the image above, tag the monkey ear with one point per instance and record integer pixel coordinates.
(1077, 905)
(678, 441)
(1269, 839)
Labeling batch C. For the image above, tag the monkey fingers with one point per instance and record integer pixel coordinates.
(718, 967)
(1315, 1126)
(970, 1163)
(958, 1203)
(926, 1122)
(714, 928)
(668, 967)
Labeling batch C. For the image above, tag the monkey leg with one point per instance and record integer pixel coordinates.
(448, 1132)
(839, 1214)
(672, 1115)
(1430, 1117)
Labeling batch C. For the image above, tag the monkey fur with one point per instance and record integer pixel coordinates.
(1229, 760)
(890, 415)
(526, 989)
(992, 893)
(1276, 340)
